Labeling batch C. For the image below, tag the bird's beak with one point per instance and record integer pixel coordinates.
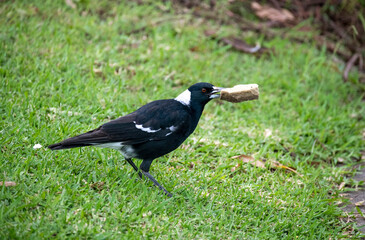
(216, 90)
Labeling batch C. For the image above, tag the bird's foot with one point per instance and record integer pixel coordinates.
(149, 176)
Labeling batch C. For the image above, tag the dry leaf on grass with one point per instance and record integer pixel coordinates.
(316, 163)
(70, 3)
(341, 185)
(210, 33)
(97, 186)
(233, 169)
(191, 165)
(251, 160)
(267, 133)
(262, 164)
(273, 14)
(98, 72)
(8, 184)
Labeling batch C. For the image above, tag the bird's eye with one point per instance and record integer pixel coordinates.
(204, 90)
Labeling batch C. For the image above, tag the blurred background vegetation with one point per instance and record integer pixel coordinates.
(277, 168)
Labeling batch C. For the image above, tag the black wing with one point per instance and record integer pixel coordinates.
(152, 122)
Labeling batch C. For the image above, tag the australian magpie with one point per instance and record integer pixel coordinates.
(152, 131)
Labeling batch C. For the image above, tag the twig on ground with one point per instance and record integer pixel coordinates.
(350, 64)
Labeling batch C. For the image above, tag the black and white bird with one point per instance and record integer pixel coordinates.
(152, 131)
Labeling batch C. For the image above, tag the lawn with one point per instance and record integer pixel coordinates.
(65, 71)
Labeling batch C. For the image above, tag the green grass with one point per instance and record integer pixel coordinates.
(49, 91)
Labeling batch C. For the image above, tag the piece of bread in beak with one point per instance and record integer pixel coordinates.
(240, 93)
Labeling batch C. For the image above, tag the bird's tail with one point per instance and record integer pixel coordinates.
(61, 145)
(93, 137)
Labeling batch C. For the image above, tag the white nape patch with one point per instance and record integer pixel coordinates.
(149, 130)
(184, 97)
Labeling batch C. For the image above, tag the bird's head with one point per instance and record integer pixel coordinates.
(199, 93)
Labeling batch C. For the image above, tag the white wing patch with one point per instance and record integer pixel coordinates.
(172, 129)
(184, 97)
(149, 130)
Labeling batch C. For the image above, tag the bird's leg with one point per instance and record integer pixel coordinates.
(147, 174)
(129, 160)
(145, 167)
